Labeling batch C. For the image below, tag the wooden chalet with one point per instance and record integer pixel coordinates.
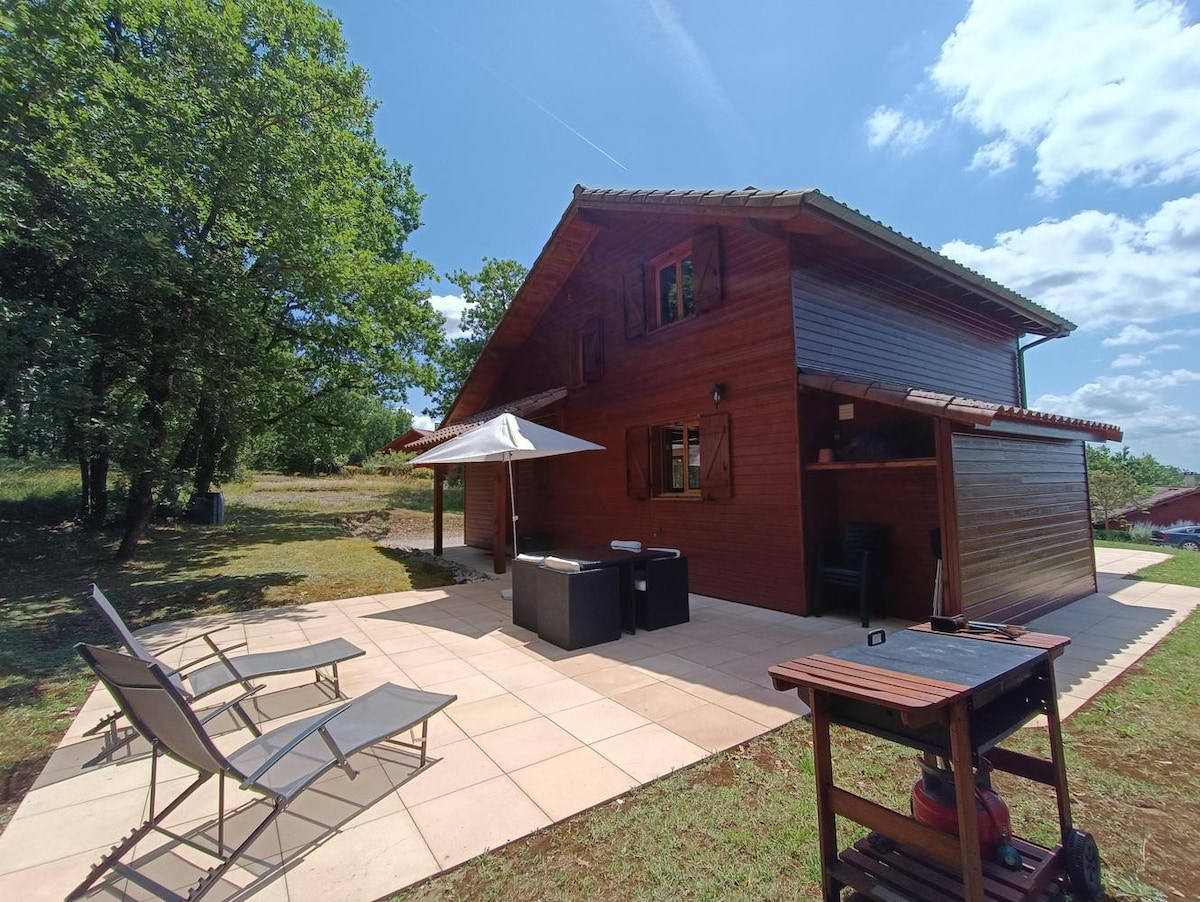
(763, 366)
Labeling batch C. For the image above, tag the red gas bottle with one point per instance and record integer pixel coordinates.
(934, 803)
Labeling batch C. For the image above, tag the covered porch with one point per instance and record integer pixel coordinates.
(999, 491)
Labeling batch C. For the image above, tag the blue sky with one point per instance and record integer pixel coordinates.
(1052, 146)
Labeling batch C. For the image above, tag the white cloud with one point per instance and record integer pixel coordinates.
(450, 306)
(1168, 347)
(1131, 335)
(424, 422)
(1142, 406)
(995, 157)
(1107, 88)
(890, 126)
(1101, 268)
(1125, 361)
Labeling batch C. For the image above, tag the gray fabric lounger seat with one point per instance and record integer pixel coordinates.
(193, 681)
(280, 764)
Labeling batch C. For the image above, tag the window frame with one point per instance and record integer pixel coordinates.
(662, 460)
(673, 259)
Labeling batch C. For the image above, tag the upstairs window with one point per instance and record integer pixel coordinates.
(683, 283)
(674, 286)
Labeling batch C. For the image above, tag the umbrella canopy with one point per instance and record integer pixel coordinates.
(504, 439)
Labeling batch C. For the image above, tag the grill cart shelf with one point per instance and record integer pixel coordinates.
(957, 696)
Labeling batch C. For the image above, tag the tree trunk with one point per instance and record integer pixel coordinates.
(137, 515)
(153, 419)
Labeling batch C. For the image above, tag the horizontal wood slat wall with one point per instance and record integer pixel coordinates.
(856, 320)
(745, 548)
(1025, 535)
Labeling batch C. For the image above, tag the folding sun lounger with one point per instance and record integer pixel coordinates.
(222, 671)
(280, 765)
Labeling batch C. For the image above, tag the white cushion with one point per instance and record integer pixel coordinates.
(531, 558)
(623, 545)
(674, 551)
(557, 563)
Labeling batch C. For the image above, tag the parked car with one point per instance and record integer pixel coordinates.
(1187, 537)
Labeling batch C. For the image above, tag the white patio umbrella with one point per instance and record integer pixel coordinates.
(505, 438)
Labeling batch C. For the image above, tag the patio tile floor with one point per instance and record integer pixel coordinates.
(536, 735)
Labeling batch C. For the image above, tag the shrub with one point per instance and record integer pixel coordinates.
(393, 463)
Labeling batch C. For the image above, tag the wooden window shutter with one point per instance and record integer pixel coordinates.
(637, 462)
(592, 350)
(576, 359)
(706, 263)
(634, 287)
(716, 475)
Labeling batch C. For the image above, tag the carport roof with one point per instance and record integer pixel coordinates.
(961, 410)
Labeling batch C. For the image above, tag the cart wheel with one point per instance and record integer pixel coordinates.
(1083, 864)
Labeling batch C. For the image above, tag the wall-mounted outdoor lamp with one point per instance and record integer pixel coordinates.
(718, 392)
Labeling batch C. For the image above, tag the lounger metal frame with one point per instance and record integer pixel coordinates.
(133, 681)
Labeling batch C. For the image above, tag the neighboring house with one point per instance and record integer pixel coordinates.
(764, 366)
(1170, 504)
(397, 444)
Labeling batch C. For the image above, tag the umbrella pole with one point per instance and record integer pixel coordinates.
(512, 505)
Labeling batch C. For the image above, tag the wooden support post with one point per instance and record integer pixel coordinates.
(499, 531)
(831, 890)
(961, 757)
(439, 479)
(1058, 759)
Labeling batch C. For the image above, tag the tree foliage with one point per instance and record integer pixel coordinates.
(200, 238)
(345, 430)
(1119, 481)
(487, 294)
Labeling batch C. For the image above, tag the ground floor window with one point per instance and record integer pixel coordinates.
(676, 450)
(687, 458)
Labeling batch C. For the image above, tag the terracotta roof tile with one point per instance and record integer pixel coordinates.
(953, 407)
(520, 407)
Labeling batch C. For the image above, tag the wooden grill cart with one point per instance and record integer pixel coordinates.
(956, 696)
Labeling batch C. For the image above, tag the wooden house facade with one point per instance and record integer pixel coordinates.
(763, 367)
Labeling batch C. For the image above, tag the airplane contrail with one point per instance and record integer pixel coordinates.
(479, 62)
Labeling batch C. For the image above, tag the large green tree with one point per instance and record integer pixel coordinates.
(1120, 480)
(209, 239)
(487, 294)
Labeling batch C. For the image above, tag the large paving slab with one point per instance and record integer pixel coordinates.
(537, 735)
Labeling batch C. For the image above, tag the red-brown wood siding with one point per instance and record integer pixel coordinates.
(747, 547)
(1167, 513)
(1024, 534)
(479, 504)
(855, 318)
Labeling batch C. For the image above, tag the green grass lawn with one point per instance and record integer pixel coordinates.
(280, 545)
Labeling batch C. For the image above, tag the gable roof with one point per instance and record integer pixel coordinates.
(782, 210)
(959, 409)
